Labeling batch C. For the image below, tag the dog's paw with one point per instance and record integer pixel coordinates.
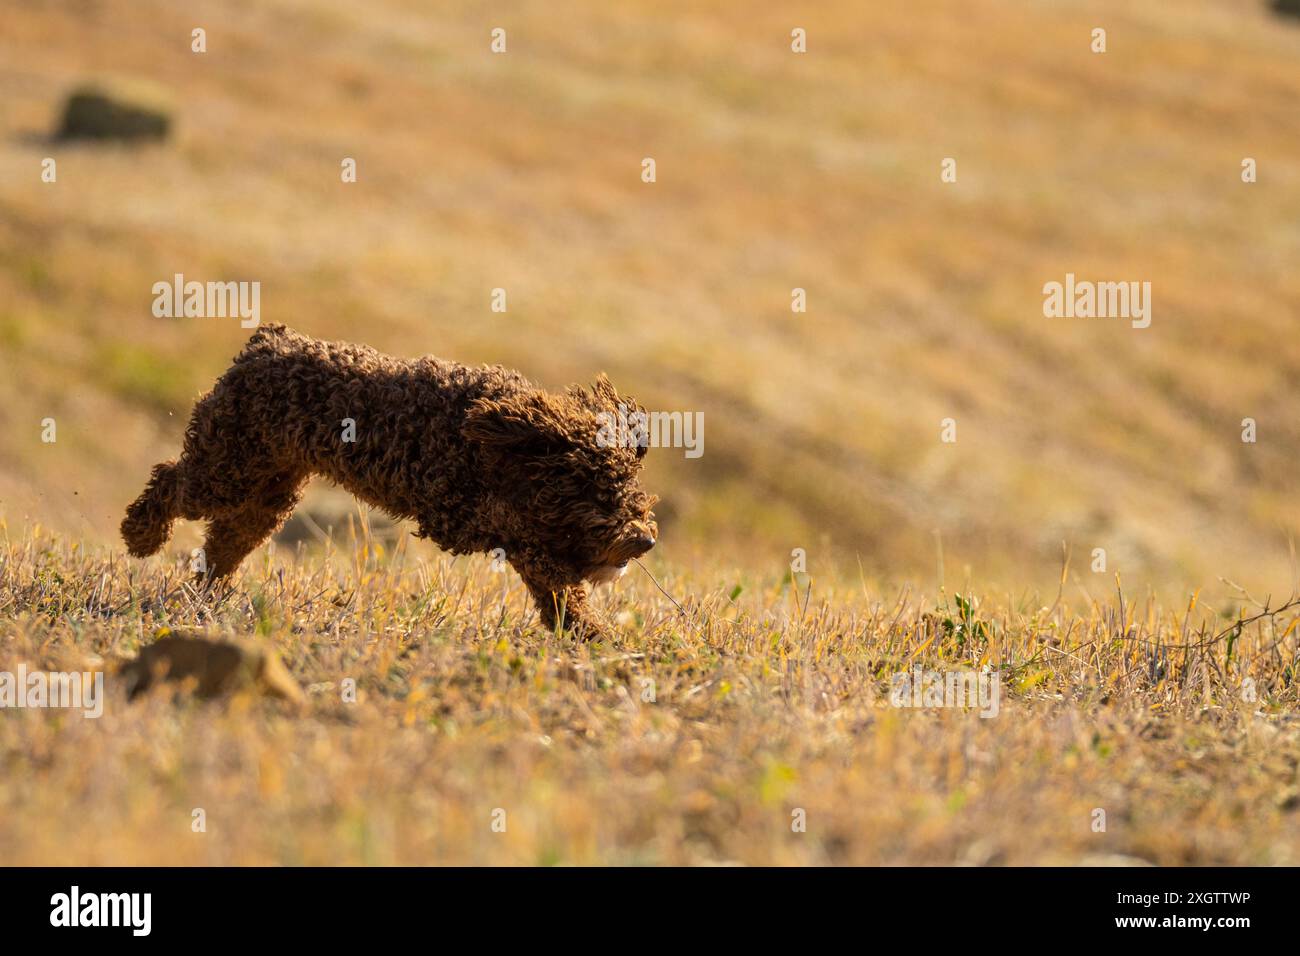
(589, 630)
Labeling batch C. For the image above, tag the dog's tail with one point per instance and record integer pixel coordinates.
(269, 338)
(148, 521)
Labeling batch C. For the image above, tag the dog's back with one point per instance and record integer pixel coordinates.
(290, 406)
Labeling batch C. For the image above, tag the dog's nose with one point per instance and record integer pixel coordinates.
(644, 543)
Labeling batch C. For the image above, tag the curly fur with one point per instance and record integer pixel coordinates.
(479, 458)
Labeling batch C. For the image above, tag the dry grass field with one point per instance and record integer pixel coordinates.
(763, 705)
(1122, 690)
(775, 171)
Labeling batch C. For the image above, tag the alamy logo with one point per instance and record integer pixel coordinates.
(199, 300)
(652, 430)
(103, 909)
(958, 688)
(38, 689)
(1102, 300)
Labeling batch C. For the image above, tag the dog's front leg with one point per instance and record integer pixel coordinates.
(567, 605)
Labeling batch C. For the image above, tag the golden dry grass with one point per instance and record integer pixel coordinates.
(765, 704)
(775, 170)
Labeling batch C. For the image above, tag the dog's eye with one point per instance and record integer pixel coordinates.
(641, 450)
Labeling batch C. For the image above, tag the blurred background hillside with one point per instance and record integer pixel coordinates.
(774, 170)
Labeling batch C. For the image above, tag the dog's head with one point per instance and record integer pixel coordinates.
(561, 472)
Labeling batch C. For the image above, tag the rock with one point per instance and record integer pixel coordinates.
(216, 667)
(119, 111)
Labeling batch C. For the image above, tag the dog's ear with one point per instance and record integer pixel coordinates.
(605, 393)
(530, 424)
(607, 397)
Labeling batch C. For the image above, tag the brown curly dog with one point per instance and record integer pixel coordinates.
(479, 457)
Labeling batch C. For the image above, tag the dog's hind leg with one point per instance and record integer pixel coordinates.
(232, 535)
(149, 519)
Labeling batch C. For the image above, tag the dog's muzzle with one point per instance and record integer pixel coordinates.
(607, 573)
(625, 552)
